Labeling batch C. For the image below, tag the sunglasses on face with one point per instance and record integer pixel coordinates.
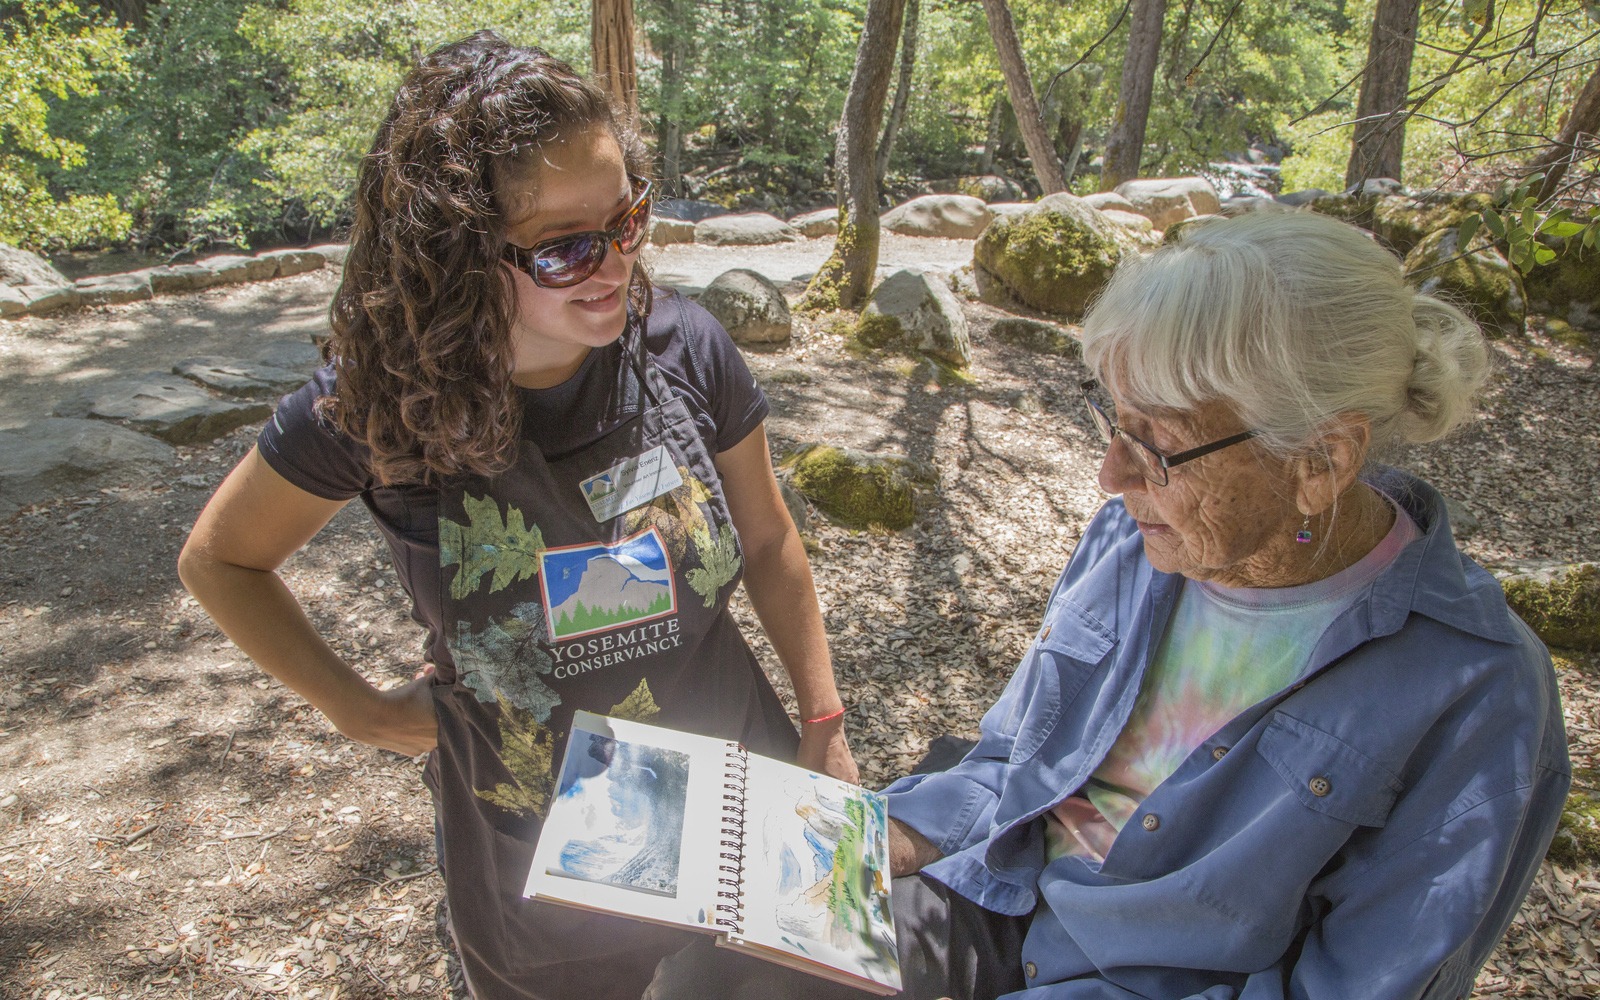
(566, 260)
(1151, 463)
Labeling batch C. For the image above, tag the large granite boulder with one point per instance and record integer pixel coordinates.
(917, 310)
(1054, 258)
(51, 458)
(949, 216)
(749, 306)
(1483, 282)
(22, 267)
(747, 229)
(1165, 200)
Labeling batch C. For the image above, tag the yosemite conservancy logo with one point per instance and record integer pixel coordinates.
(592, 588)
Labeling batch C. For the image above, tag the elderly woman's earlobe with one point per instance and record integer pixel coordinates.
(1333, 463)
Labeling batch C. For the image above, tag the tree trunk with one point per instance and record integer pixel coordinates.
(1567, 149)
(902, 89)
(611, 47)
(1378, 146)
(1125, 142)
(845, 279)
(1046, 167)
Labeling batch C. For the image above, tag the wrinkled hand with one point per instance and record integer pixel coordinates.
(823, 748)
(401, 719)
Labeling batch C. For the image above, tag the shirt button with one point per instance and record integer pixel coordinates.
(1217, 753)
(1031, 969)
(1151, 822)
(1320, 787)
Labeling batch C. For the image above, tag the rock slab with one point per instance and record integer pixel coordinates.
(919, 311)
(166, 406)
(56, 457)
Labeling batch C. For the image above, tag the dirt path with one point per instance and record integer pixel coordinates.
(172, 824)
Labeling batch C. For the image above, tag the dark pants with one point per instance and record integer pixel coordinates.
(949, 947)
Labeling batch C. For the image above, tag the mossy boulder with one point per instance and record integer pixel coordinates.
(1402, 221)
(1569, 286)
(1482, 282)
(1560, 603)
(1054, 258)
(1577, 840)
(854, 488)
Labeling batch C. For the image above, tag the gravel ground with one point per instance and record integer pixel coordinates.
(172, 824)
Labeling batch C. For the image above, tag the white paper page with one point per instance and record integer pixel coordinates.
(817, 870)
(636, 825)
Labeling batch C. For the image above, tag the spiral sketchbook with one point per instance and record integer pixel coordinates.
(778, 861)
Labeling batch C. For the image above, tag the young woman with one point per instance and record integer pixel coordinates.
(571, 482)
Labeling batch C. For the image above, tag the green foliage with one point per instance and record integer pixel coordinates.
(1526, 230)
(163, 134)
(343, 60)
(51, 51)
(488, 544)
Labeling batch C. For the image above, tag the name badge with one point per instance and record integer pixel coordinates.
(631, 483)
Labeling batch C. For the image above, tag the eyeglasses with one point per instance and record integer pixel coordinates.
(567, 260)
(1153, 465)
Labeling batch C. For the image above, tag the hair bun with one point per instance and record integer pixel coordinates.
(1450, 368)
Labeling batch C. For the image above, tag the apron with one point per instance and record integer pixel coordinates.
(596, 580)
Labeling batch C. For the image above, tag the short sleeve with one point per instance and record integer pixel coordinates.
(309, 452)
(696, 352)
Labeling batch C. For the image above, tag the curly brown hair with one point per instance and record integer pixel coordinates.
(422, 318)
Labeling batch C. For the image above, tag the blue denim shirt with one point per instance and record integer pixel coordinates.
(1368, 832)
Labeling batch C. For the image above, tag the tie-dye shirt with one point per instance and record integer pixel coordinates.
(1225, 650)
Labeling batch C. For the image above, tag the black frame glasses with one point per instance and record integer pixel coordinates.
(568, 260)
(1153, 465)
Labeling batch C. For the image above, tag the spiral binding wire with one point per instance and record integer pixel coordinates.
(729, 906)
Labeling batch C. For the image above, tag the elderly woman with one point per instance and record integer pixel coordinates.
(1276, 736)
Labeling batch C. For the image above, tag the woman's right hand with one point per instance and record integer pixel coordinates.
(402, 719)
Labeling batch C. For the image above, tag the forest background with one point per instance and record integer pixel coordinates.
(175, 126)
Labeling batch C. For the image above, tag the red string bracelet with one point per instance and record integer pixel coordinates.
(824, 718)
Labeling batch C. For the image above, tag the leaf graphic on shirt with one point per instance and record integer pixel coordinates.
(719, 559)
(487, 544)
(674, 514)
(527, 749)
(640, 706)
(506, 659)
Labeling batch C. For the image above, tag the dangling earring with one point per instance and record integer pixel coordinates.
(1304, 534)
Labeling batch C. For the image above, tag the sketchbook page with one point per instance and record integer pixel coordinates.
(816, 879)
(635, 824)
